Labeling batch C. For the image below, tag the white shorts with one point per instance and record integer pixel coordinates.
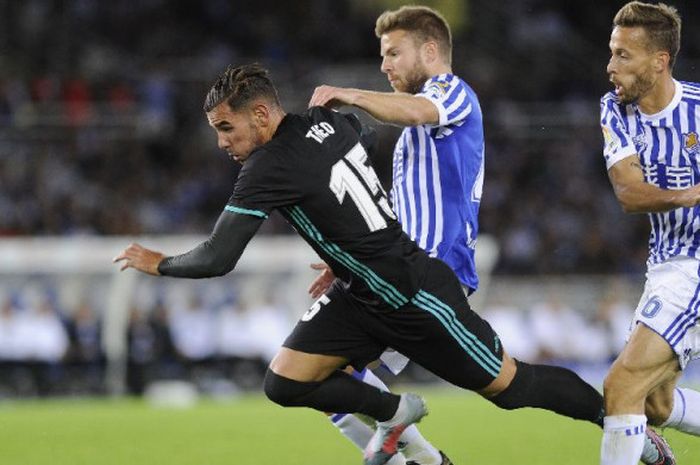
(670, 305)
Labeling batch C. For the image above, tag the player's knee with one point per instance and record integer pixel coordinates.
(613, 391)
(657, 409)
(502, 381)
(609, 384)
(517, 392)
(619, 376)
(284, 391)
(623, 389)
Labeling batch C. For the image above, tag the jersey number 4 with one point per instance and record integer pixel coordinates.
(362, 190)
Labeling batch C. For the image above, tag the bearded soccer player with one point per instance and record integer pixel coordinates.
(650, 124)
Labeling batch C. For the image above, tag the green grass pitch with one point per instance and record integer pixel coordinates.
(250, 430)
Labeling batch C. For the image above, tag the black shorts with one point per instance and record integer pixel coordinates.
(437, 329)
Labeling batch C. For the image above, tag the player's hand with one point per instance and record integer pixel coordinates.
(322, 282)
(331, 97)
(140, 258)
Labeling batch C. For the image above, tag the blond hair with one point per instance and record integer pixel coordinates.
(422, 22)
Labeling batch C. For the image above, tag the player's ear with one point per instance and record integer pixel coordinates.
(661, 61)
(430, 51)
(261, 114)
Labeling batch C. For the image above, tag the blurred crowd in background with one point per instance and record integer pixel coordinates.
(222, 343)
(102, 132)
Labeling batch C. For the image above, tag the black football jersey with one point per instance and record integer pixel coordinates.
(316, 172)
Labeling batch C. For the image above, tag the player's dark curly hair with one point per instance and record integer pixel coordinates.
(240, 85)
(661, 22)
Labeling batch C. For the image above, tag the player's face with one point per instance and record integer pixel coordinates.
(631, 64)
(402, 62)
(236, 131)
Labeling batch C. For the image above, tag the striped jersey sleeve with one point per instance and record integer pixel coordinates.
(449, 95)
(617, 142)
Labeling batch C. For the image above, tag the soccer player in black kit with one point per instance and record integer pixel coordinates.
(314, 169)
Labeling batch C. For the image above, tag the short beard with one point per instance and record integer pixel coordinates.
(639, 88)
(416, 79)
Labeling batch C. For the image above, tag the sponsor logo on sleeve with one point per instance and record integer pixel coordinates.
(612, 144)
(436, 89)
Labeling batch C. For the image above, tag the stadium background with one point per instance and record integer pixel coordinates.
(102, 139)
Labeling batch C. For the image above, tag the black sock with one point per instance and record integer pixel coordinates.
(552, 388)
(339, 393)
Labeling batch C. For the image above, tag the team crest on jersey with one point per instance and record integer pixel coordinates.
(691, 144)
(640, 142)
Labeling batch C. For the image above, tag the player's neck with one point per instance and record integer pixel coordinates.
(276, 118)
(438, 69)
(659, 97)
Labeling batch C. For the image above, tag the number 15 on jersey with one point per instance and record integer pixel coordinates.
(365, 191)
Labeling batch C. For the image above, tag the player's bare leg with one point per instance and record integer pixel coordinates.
(658, 405)
(646, 364)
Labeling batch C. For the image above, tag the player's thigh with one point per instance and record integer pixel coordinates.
(301, 366)
(334, 327)
(646, 363)
(439, 331)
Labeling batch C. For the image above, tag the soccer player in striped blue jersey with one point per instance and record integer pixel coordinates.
(438, 171)
(438, 163)
(650, 125)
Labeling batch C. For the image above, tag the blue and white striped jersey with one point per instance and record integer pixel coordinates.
(669, 153)
(438, 173)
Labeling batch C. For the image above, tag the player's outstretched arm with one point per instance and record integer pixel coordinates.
(638, 196)
(397, 108)
(216, 256)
